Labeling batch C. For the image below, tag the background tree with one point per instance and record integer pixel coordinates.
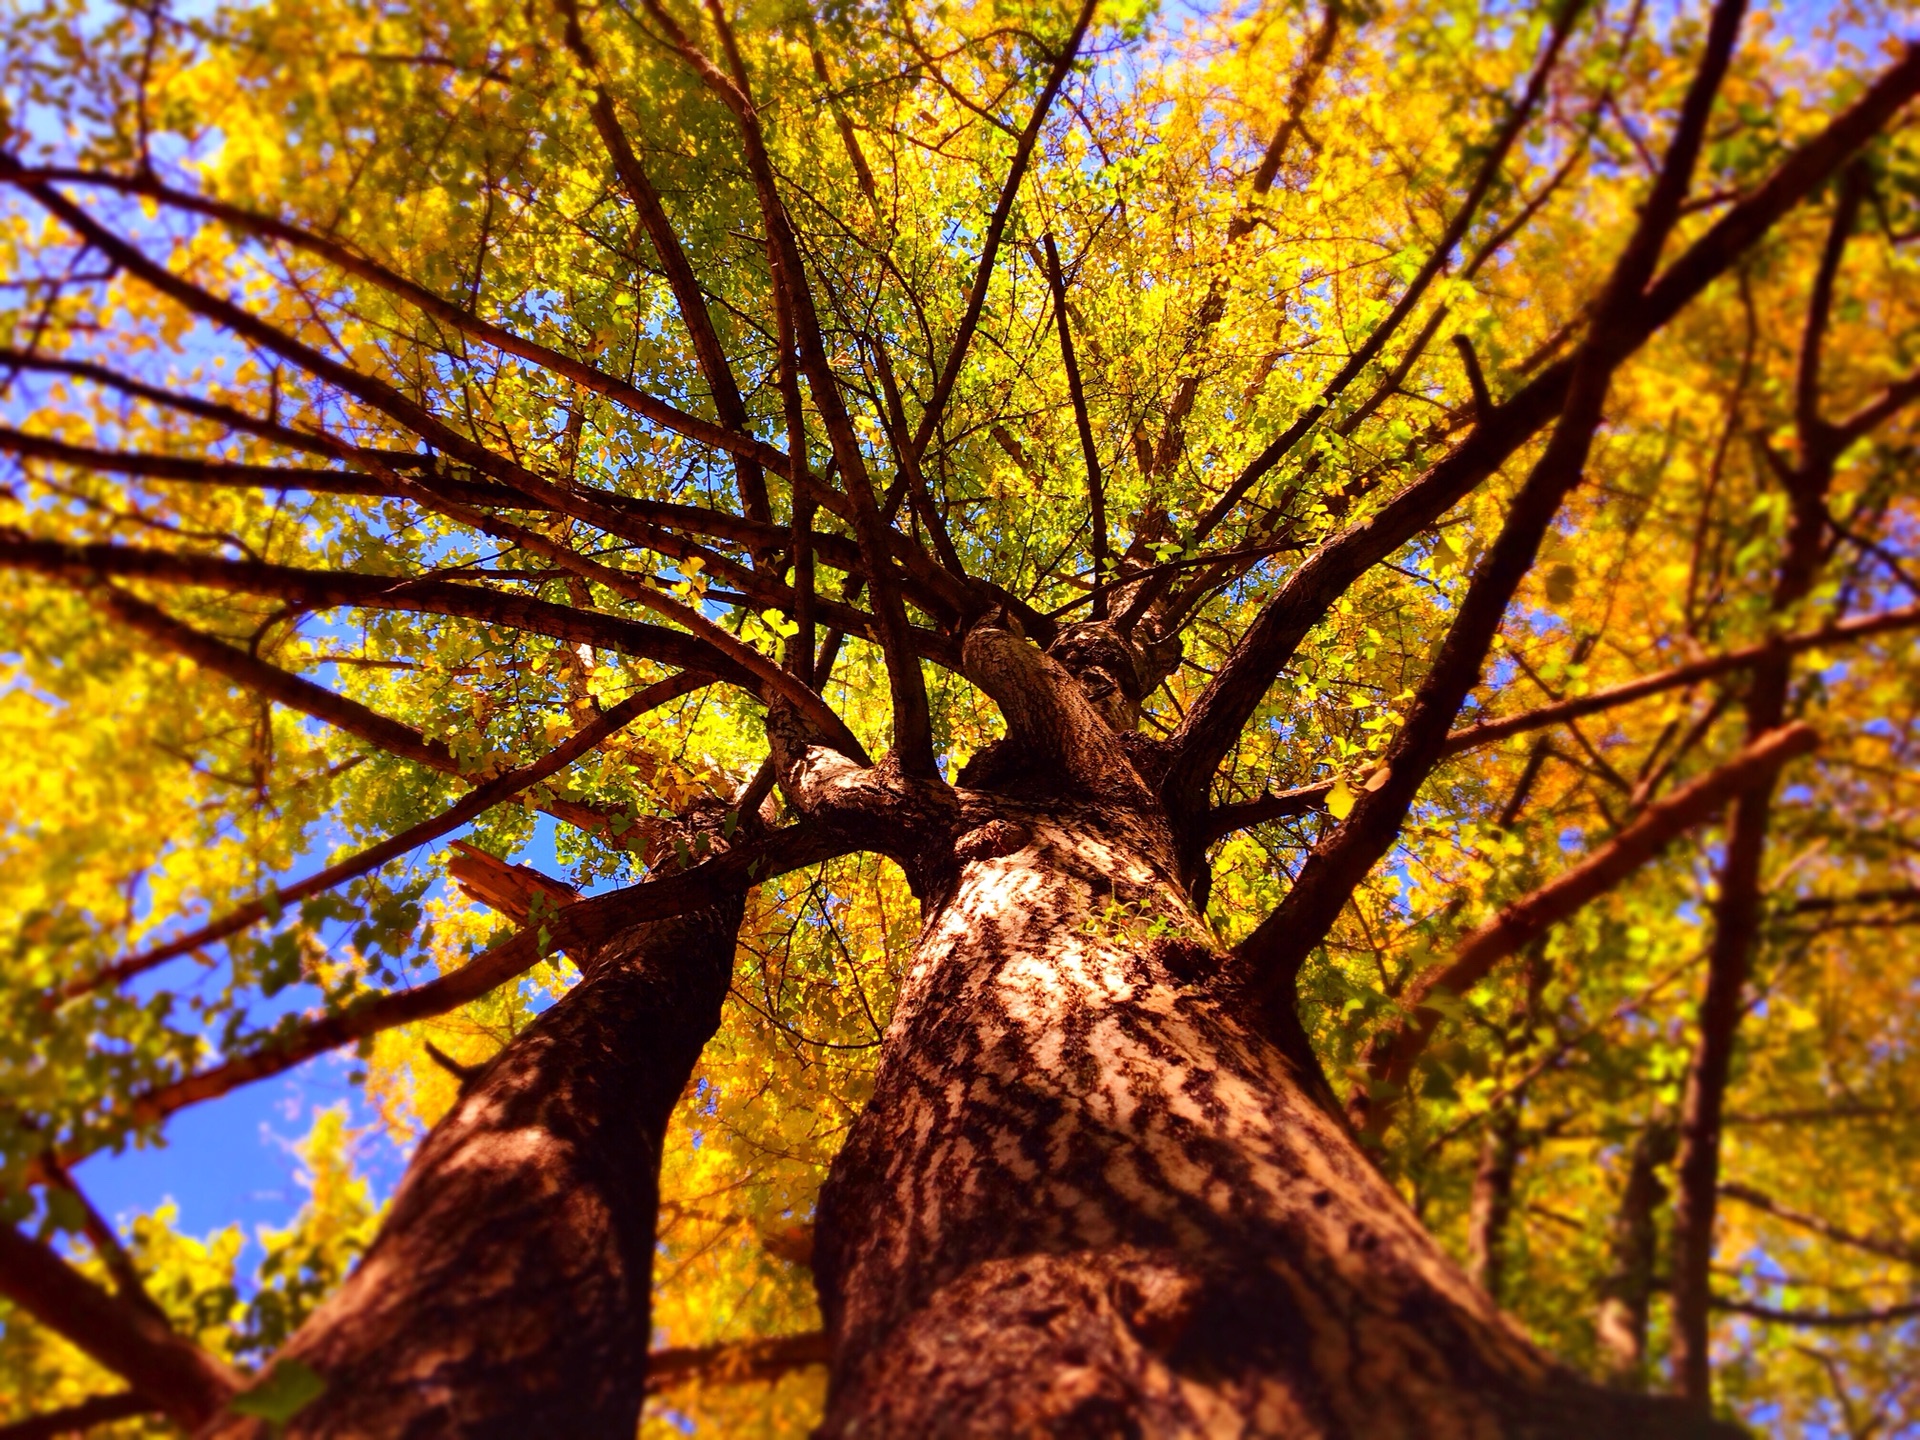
(1373, 547)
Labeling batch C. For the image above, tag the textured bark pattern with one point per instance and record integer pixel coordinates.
(1088, 1200)
(507, 1294)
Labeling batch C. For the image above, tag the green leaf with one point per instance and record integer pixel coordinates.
(65, 1211)
(287, 1390)
(1561, 580)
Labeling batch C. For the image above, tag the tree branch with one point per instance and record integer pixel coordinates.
(176, 1375)
(77, 1419)
(912, 725)
(328, 589)
(270, 681)
(470, 806)
(1818, 1319)
(585, 924)
(38, 183)
(687, 294)
(1089, 454)
(1394, 1051)
(1214, 721)
(1906, 1252)
(996, 229)
(1472, 737)
(1437, 259)
(741, 1362)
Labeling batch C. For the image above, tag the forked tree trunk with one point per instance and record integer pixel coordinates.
(507, 1294)
(1087, 1199)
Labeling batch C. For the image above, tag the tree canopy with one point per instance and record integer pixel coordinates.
(442, 434)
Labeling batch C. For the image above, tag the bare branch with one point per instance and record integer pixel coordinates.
(1904, 1251)
(1818, 1319)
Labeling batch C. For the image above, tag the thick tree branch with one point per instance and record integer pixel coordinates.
(1214, 721)
(1052, 724)
(128, 1283)
(176, 1375)
(1268, 961)
(1224, 820)
(912, 726)
(513, 1269)
(328, 589)
(687, 293)
(195, 471)
(1737, 906)
(306, 442)
(721, 643)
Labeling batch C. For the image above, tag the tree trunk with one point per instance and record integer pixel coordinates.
(1491, 1207)
(1089, 1199)
(507, 1293)
(1633, 1249)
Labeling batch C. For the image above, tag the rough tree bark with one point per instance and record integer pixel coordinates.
(507, 1293)
(1088, 1196)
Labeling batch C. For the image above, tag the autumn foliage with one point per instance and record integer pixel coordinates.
(1457, 460)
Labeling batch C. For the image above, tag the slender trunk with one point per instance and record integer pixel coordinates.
(1736, 916)
(1490, 1212)
(507, 1293)
(1633, 1248)
(1491, 1207)
(1088, 1198)
(1737, 909)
